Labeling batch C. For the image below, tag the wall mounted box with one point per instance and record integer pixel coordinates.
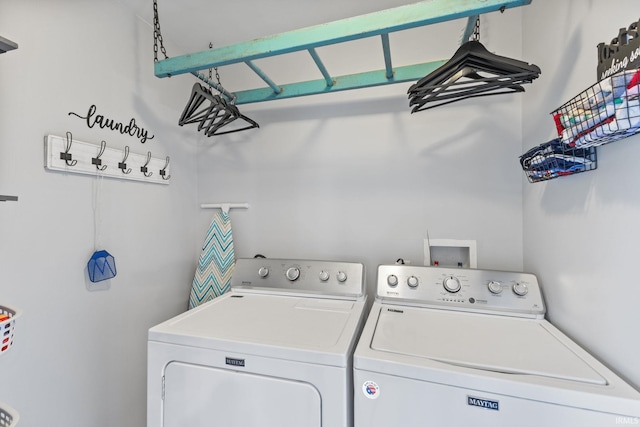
(450, 253)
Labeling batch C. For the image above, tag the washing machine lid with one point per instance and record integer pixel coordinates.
(486, 342)
(315, 330)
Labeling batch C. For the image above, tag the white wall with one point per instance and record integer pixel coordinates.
(79, 357)
(581, 233)
(355, 176)
(343, 176)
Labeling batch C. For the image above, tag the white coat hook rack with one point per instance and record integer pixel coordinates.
(225, 206)
(68, 155)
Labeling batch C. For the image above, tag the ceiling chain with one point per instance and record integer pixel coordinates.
(157, 34)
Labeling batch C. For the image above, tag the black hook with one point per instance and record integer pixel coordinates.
(66, 156)
(123, 164)
(144, 169)
(163, 171)
(97, 160)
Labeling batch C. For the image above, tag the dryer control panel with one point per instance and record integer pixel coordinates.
(308, 277)
(497, 292)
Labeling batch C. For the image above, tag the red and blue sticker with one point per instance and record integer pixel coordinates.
(371, 390)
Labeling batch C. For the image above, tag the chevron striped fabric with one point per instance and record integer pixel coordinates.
(217, 259)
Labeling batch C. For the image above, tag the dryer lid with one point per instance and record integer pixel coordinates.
(487, 342)
(294, 328)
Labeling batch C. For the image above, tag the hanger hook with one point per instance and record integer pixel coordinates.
(144, 169)
(66, 155)
(97, 160)
(123, 164)
(163, 171)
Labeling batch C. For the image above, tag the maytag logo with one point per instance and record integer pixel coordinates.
(483, 403)
(234, 362)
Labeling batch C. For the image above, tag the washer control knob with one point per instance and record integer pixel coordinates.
(292, 273)
(412, 281)
(520, 289)
(494, 287)
(451, 284)
(392, 280)
(263, 272)
(324, 275)
(342, 276)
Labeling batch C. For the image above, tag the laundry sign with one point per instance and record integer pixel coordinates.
(622, 53)
(92, 118)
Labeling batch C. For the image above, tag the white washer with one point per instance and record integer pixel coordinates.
(275, 351)
(459, 347)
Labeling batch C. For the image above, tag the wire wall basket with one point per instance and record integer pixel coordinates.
(8, 317)
(8, 416)
(605, 112)
(554, 159)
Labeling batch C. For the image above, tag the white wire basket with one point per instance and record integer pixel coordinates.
(8, 416)
(7, 328)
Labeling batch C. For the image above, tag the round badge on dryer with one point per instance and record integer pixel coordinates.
(371, 390)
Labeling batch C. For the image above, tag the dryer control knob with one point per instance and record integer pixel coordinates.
(263, 272)
(520, 289)
(392, 281)
(494, 287)
(451, 284)
(324, 275)
(292, 273)
(412, 281)
(342, 276)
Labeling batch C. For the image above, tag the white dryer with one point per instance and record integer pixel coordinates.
(275, 351)
(458, 347)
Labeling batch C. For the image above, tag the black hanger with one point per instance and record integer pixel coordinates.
(474, 55)
(457, 90)
(196, 110)
(229, 114)
(472, 71)
(212, 112)
(250, 125)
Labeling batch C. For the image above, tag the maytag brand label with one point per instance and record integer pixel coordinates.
(483, 403)
(234, 362)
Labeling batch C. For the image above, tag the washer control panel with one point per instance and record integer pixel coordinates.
(461, 289)
(335, 278)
